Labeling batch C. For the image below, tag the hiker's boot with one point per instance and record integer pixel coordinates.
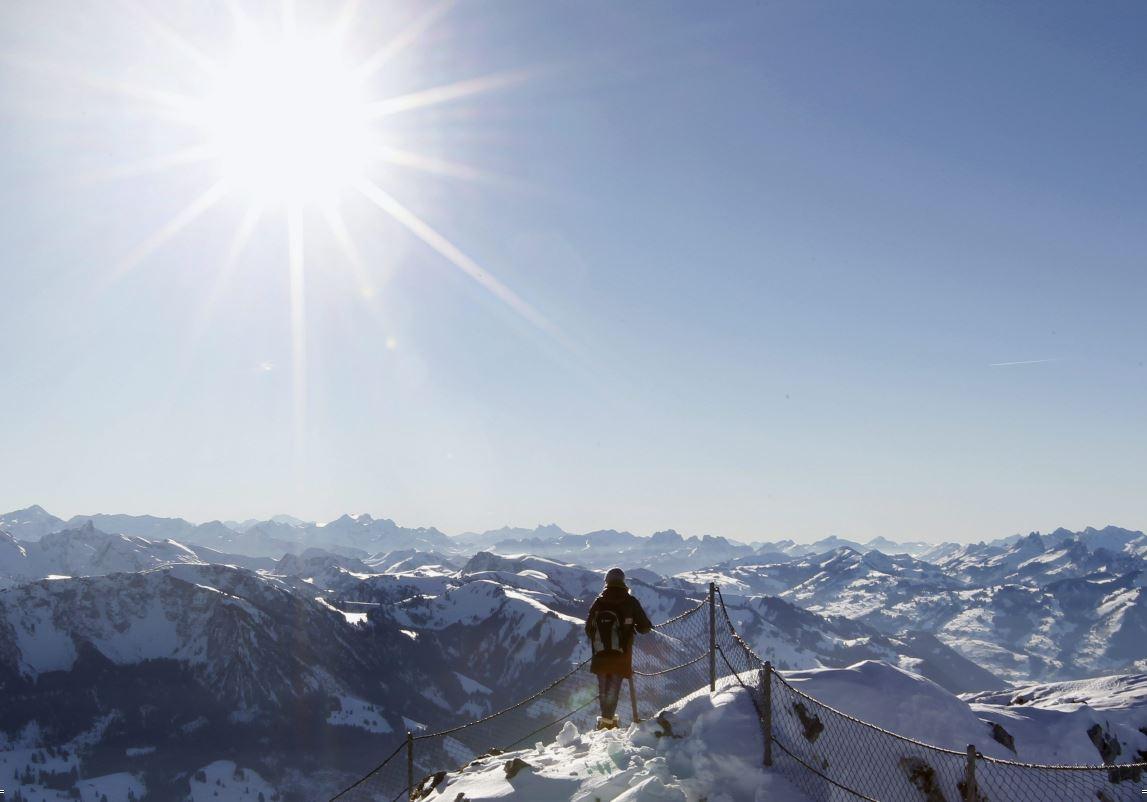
(607, 722)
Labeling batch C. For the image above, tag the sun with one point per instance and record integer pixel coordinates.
(288, 122)
(288, 127)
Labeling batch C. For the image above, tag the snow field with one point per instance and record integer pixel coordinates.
(224, 780)
(355, 712)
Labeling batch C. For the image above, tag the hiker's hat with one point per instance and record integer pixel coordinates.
(615, 578)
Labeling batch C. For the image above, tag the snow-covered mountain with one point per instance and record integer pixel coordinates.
(198, 663)
(85, 551)
(375, 535)
(148, 526)
(1069, 628)
(792, 638)
(664, 552)
(30, 523)
(359, 535)
(353, 536)
(1057, 606)
(1043, 558)
(840, 582)
(484, 541)
(509, 616)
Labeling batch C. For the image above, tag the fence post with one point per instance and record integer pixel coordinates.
(633, 701)
(971, 793)
(767, 713)
(409, 764)
(712, 637)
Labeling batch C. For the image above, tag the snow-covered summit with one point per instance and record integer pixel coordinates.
(85, 551)
(30, 523)
(707, 747)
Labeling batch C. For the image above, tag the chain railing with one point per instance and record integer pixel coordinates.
(828, 754)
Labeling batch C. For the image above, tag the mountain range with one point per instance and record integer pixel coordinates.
(157, 653)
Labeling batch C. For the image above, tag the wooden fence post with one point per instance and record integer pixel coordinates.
(767, 713)
(971, 793)
(633, 701)
(712, 637)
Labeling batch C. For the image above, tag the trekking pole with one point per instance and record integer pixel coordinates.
(409, 764)
(633, 701)
(712, 638)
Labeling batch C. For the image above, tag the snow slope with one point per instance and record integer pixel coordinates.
(711, 751)
(1056, 722)
(709, 746)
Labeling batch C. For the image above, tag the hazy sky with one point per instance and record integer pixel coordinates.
(791, 269)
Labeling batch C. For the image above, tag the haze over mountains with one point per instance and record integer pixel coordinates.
(147, 650)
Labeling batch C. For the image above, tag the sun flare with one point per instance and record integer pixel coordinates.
(288, 122)
(293, 122)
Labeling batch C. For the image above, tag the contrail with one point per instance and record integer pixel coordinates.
(1021, 362)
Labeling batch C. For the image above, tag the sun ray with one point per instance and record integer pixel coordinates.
(445, 93)
(449, 251)
(341, 233)
(433, 165)
(182, 105)
(345, 20)
(154, 164)
(206, 312)
(296, 269)
(180, 221)
(404, 39)
(289, 18)
(170, 36)
(235, 11)
(242, 236)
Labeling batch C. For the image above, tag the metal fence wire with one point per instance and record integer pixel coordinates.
(828, 754)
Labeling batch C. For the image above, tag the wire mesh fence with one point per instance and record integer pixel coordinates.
(833, 756)
(1003, 779)
(828, 754)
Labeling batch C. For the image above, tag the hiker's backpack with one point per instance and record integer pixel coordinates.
(609, 631)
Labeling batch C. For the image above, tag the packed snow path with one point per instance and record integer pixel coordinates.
(904, 738)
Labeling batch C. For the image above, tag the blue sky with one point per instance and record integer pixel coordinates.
(782, 251)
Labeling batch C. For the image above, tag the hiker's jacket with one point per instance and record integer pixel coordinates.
(631, 617)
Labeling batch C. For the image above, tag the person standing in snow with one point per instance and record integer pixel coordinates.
(613, 619)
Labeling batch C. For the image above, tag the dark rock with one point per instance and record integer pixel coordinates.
(1105, 742)
(514, 766)
(1003, 737)
(810, 722)
(428, 784)
(923, 778)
